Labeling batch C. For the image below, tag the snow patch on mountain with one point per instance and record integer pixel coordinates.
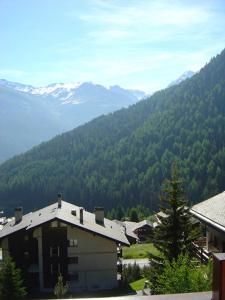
(74, 101)
(55, 89)
(184, 76)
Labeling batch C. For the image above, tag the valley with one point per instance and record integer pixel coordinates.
(122, 158)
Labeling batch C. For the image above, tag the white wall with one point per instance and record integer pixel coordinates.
(97, 260)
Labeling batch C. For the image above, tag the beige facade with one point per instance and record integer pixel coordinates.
(95, 266)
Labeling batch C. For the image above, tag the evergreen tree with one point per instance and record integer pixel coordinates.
(11, 283)
(119, 213)
(175, 233)
(133, 215)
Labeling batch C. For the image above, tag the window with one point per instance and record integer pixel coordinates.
(73, 260)
(55, 268)
(26, 238)
(74, 276)
(26, 255)
(54, 251)
(73, 242)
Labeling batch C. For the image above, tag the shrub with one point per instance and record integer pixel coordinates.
(183, 276)
(60, 288)
(11, 283)
(131, 273)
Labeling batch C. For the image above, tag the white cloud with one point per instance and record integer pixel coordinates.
(110, 34)
(139, 22)
(153, 13)
(123, 67)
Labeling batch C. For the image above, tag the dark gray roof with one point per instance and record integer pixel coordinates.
(109, 230)
(211, 211)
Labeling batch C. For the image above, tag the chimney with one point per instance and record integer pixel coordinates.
(81, 215)
(18, 214)
(73, 212)
(99, 215)
(60, 197)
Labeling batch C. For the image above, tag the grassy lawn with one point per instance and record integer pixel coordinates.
(138, 285)
(139, 251)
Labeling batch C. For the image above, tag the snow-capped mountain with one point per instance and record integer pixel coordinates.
(184, 76)
(16, 86)
(30, 115)
(62, 91)
(75, 93)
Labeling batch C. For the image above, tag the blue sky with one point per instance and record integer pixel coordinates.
(136, 44)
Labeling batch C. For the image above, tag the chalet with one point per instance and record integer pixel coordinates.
(141, 229)
(136, 231)
(64, 238)
(211, 213)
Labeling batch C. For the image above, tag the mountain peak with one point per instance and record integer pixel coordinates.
(184, 76)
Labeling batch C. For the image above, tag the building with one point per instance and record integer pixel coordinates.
(64, 238)
(136, 231)
(211, 213)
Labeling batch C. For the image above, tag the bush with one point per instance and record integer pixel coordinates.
(131, 273)
(60, 288)
(183, 276)
(11, 283)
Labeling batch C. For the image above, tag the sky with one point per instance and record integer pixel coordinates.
(137, 44)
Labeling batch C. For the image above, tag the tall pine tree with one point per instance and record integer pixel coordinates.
(175, 232)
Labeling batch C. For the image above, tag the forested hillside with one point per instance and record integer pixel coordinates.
(124, 157)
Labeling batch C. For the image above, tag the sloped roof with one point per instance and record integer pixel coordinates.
(109, 230)
(135, 225)
(126, 229)
(211, 211)
(132, 226)
(144, 223)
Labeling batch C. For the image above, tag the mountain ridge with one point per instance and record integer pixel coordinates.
(61, 106)
(68, 89)
(123, 158)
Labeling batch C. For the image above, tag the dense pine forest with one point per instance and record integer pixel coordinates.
(122, 158)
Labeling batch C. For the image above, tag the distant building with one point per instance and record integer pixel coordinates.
(136, 231)
(64, 238)
(211, 213)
